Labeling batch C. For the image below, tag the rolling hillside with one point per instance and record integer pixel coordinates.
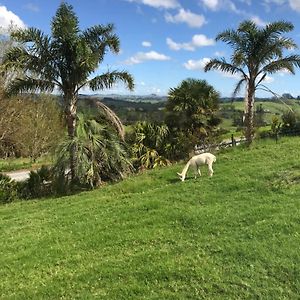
(233, 236)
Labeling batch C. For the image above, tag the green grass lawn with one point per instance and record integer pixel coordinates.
(233, 236)
(12, 164)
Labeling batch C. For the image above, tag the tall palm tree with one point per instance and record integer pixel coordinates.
(66, 60)
(257, 52)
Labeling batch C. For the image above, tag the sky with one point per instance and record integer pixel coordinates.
(166, 41)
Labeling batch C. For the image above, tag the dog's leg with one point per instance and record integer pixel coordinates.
(199, 172)
(210, 170)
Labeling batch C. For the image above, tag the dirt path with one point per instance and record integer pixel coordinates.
(20, 175)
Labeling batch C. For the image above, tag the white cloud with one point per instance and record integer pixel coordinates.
(158, 3)
(146, 56)
(215, 5)
(8, 18)
(196, 64)
(178, 46)
(211, 4)
(186, 16)
(295, 5)
(284, 72)
(198, 40)
(258, 21)
(146, 44)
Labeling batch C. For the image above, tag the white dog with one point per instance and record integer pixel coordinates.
(196, 161)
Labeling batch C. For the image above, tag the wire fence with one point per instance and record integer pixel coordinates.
(232, 142)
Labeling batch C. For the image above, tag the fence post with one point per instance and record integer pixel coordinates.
(232, 141)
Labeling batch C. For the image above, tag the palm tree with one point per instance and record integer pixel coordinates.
(101, 155)
(191, 108)
(66, 60)
(257, 52)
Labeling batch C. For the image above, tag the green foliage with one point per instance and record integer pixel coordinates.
(149, 145)
(192, 108)
(289, 119)
(39, 118)
(8, 189)
(232, 236)
(101, 155)
(257, 52)
(275, 127)
(38, 184)
(65, 60)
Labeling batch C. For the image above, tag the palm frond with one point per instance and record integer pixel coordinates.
(113, 118)
(277, 28)
(28, 84)
(107, 80)
(100, 37)
(238, 87)
(286, 63)
(224, 66)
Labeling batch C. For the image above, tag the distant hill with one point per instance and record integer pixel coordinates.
(130, 98)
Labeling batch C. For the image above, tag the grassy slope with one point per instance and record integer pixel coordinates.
(233, 236)
(273, 107)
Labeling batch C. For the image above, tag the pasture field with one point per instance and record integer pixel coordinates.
(233, 236)
(271, 108)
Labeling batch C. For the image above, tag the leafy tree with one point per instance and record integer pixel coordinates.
(66, 60)
(289, 119)
(287, 96)
(41, 120)
(191, 109)
(29, 127)
(257, 52)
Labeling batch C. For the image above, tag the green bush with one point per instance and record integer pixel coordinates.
(8, 189)
(37, 185)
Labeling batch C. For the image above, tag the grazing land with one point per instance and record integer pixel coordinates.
(233, 236)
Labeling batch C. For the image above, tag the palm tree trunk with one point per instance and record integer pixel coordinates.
(71, 114)
(249, 132)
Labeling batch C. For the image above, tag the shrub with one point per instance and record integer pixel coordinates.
(8, 189)
(37, 185)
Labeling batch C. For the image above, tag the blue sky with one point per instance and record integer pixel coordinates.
(166, 41)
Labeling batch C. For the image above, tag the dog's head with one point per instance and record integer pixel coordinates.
(180, 176)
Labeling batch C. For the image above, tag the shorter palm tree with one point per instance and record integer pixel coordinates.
(257, 52)
(191, 112)
(101, 155)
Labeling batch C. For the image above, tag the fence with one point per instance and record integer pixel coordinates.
(224, 144)
(234, 142)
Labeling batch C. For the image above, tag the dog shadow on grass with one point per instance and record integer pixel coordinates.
(177, 180)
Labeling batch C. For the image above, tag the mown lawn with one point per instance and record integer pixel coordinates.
(233, 236)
